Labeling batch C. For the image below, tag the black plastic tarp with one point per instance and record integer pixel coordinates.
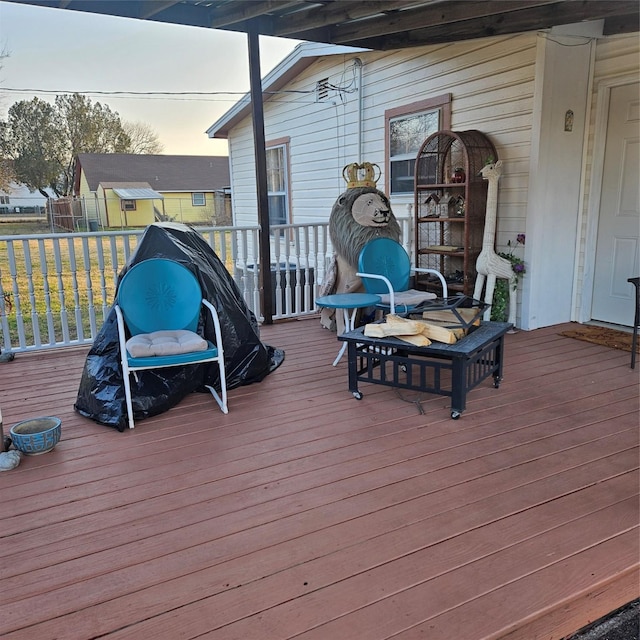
(247, 359)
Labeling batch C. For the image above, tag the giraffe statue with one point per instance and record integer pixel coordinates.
(489, 264)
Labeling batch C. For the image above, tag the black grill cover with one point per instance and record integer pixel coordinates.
(247, 359)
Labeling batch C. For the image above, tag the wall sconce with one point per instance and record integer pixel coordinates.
(568, 120)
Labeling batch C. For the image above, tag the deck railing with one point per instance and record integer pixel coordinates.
(57, 289)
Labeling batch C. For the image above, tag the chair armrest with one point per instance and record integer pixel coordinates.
(216, 327)
(445, 289)
(392, 305)
(122, 334)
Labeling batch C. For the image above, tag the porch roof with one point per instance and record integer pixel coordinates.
(382, 25)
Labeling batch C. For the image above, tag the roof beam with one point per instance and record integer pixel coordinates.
(530, 19)
(244, 10)
(622, 24)
(334, 13)
(151, 8)
(374, 24)
(440, 14)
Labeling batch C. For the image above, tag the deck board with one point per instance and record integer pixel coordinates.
(305, 513)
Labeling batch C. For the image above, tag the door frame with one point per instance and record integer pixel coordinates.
(595, 188)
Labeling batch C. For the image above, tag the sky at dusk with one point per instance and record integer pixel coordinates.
(54, 51)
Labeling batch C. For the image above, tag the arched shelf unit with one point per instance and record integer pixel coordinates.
(450, 205)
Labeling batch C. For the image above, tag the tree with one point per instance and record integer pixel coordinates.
(43, 140)
(7, 174)
(88, 128)
(143, 138)
(30, 138)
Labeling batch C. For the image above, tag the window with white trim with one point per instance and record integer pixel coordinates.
(198, 199)
(277, 184)
(407, 128)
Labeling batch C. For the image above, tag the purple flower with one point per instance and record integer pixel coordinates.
(518, 267)
(520, 238)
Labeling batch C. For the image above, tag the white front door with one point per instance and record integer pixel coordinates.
(617, 251)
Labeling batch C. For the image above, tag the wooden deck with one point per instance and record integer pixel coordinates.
(307, 514)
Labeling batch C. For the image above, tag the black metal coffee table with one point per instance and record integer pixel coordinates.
(444, 369)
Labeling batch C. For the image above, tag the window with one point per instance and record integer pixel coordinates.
(277, 184)
(4, 199)
(128, 205)
(198, 199)
(407, 128)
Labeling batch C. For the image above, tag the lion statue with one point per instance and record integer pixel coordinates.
(359, 215)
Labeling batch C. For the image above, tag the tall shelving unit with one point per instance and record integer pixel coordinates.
(450, 206)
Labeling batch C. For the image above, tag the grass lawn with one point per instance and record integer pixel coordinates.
(23, 228)
(58, 289)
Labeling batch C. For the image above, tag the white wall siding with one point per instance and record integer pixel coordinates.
(516, 89)
(491, 82)
(562, 82)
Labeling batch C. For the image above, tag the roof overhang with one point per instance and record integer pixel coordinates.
(138, 194)
(380, 25)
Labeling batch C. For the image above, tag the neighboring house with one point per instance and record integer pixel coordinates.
(570, 179)
(20, 200)
(134, 190)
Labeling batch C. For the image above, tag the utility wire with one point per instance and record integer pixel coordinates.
(153, 93)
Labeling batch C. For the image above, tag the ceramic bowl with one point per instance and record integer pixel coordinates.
(36, 435)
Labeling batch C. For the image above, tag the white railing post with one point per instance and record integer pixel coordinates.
(88, 263)
(47, 292)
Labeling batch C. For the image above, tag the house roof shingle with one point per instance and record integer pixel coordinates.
(162, 173)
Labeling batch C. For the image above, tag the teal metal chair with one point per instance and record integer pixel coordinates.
(158, 307)
(385, 269)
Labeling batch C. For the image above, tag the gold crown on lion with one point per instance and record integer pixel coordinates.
(361, 175)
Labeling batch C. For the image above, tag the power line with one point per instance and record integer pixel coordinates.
(152, 93)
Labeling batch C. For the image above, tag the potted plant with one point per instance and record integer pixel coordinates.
(500, 304)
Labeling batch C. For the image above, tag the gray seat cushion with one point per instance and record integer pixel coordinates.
(165, 343)
(410, 297)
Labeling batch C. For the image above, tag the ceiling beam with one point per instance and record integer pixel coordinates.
(150, 8)
(241, 11)
(440, 14)
(531, 19)
(622, 24)
(374, 24)
(337, 13)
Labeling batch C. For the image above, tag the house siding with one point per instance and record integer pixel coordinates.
(491, 82)
(89, 204)
(22, 200)
(176, 178)
(516, 89)
(104, 205)
(110, 204)
(178, 206)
